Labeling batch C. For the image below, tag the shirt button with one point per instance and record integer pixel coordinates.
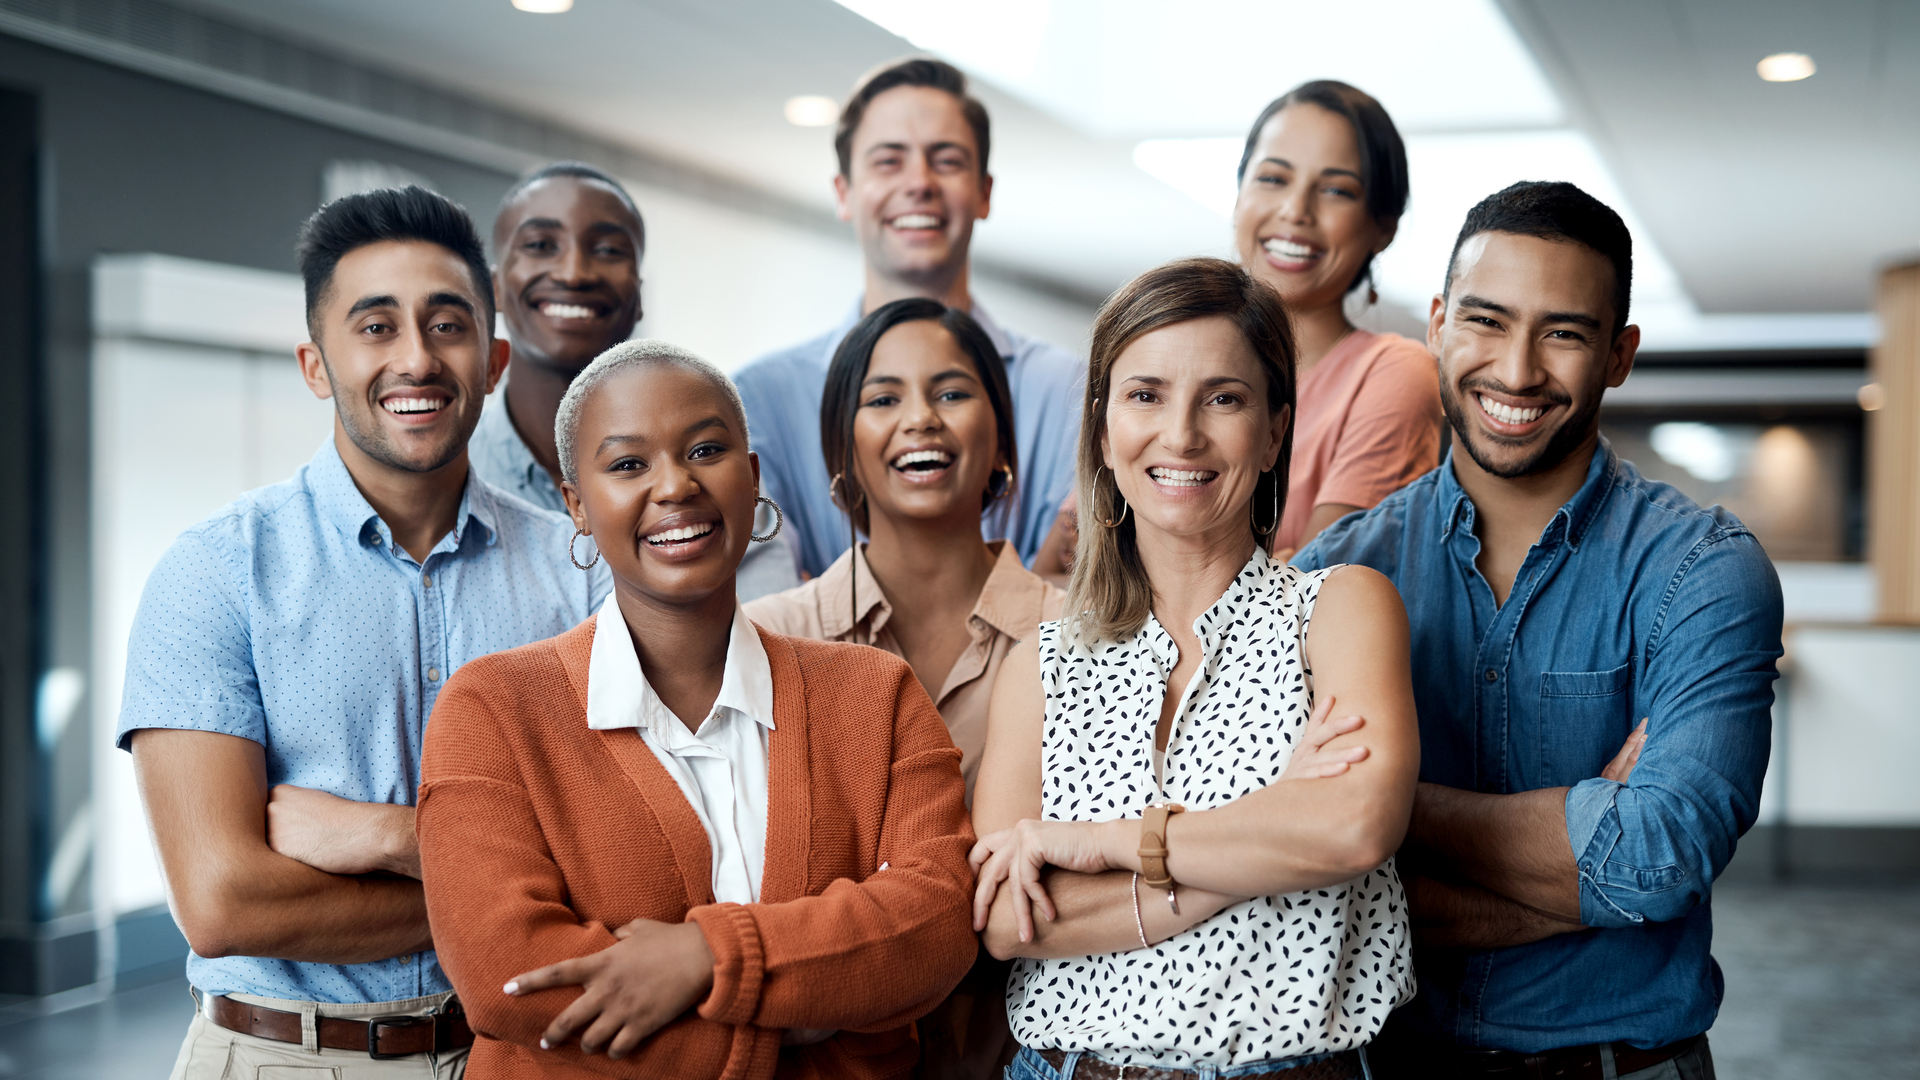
(433, 674)
(426, 581)
(407, 959)
(1492, 675)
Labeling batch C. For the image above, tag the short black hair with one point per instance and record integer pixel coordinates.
(578, 170)
(1383, 154)
(841, 400)
(389, 214)
(912, 71)
(1559, 211)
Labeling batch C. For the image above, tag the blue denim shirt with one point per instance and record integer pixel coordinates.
(783, 391)
(1634, 603)
(292, 618)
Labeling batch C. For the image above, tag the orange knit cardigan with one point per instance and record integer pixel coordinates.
(539, 836)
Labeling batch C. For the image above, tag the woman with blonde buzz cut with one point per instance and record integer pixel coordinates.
(1189, 854)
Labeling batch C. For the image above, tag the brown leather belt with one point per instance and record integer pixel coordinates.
(1338, 1067)
(379, 1037)
(1426, 1059)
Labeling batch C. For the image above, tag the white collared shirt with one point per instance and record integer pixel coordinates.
(722, 768)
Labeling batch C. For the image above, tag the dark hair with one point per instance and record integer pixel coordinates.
(389, 214)
(1559, 211)
(913, 71)
(1383, 156)
(1109, 592)
(841, 401)
(578, 170)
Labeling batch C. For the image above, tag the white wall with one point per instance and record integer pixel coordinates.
(1851, 737)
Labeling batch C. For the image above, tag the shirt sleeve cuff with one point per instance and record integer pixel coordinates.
(1593, 829)
(739, 964)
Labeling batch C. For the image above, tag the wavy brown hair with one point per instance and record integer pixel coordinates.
(1109, 592)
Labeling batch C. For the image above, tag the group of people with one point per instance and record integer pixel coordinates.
(1388, 724)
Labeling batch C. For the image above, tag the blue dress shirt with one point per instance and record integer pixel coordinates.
(783, 392)
(291, 618)
(1634, 603)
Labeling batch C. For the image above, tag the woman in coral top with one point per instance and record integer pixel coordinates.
(671, 838)
(1323, 182)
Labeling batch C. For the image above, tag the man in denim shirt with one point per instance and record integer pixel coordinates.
(1593, 667)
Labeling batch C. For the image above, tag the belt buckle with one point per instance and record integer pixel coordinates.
(373, 1034)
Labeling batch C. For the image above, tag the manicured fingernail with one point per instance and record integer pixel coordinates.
(544, 1046)
(511, 988)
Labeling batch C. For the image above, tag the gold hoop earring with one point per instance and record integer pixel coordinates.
(779, 520)
(999, 483)
(591, 563)
(1254, 520)
(1125, 506)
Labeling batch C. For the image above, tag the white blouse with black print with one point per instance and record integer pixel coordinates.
(1271, 978)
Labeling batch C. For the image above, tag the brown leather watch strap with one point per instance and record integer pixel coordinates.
(1153, 844)
(378, 1037)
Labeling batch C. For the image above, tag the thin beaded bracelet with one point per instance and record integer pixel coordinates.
(1138, 923)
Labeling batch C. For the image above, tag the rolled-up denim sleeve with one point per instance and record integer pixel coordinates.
(189, 655)
(1649, 850)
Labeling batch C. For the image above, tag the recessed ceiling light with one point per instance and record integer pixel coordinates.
(544, 7)
(1786, 67)
(812, 110)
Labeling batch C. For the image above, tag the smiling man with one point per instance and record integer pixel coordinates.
(288, 651)
(913, 180)
(1594, 658)
(569, 240)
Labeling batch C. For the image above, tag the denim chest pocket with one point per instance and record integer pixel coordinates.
(1584, 717)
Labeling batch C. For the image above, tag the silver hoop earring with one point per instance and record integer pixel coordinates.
(574, 559)
(779, 520)
(1125, 506)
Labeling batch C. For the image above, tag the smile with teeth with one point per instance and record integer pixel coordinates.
(915, 221)
(553, 310)
(1181, 477)
(1507, 414)
(922, 460)
(409, 405)
(1289, 249)
(681, 535)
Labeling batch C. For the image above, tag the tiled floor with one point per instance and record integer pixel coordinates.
(1823, 983)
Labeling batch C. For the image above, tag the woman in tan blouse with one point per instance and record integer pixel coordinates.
(917, 425)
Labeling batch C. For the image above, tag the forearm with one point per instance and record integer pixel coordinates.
(1513, 845)
(1461, 915)
(1287, 837)
(272, 906)
(1095, 914)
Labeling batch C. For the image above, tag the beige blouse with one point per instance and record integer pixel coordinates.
(1012, 605)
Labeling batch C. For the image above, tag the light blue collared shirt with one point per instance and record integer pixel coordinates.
(783, 392)
(291, 618)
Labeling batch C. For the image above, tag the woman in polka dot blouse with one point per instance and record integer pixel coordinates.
(1190, 855)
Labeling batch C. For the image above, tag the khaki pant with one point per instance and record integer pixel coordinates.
(211, 1052)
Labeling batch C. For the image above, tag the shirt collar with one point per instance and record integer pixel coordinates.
(338, 499)
(848, 572)
(619, 696)
(1013, 596)
(1002, 341)
(497, 437)
(1571, 521)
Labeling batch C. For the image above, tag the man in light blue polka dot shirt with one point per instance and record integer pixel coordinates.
(288, 652)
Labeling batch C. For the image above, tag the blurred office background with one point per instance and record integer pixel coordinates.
(157, 157)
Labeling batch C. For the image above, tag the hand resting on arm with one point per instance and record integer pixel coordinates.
(1339, 811)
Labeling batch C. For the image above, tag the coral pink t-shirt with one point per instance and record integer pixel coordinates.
(1368, 423)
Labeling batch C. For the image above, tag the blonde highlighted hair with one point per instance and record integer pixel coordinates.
(1109, 592)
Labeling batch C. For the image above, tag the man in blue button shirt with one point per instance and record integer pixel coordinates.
(288, 651)
(913, 179)
(1593, 668)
